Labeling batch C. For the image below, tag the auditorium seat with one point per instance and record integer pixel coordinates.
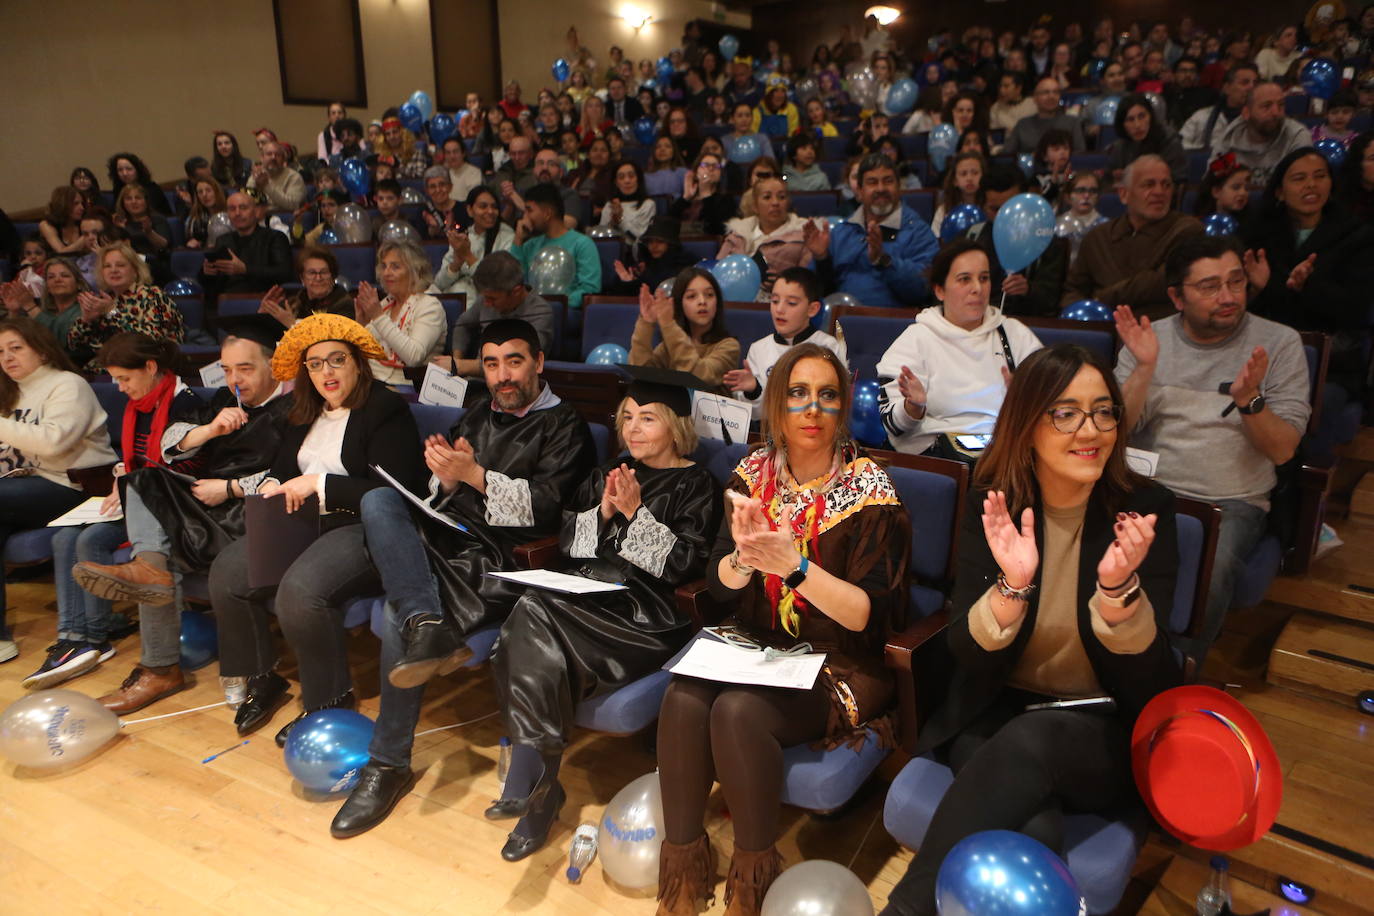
(357, 262)
(608, 319)
(186, 262)
(1097, 336)
(815, 203)
(922, 201)
(748, 322)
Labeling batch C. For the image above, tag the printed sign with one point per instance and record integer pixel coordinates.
(716, 417)
(212, 375)
(442, 389)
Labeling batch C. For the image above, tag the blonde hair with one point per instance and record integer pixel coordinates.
(125, 192)
(142, 275)
(683, 431)
(415, 260)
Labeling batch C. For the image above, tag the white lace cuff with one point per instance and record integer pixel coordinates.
(173, 434)
(252, 482)
(586, 534)
(508, 501)
(647, 542)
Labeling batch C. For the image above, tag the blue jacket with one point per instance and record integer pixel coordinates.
(903, 283)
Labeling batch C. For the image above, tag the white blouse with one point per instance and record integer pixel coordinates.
(322, 450)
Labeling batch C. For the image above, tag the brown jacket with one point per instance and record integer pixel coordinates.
(1119, 265)
(708, 362)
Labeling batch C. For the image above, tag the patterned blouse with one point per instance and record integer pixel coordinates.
(143, 308)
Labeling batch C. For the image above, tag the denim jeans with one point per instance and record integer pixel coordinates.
(159, 625)
(1242, 527)
(29, 502)
(80, 615)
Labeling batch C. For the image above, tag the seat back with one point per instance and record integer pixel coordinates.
(815, 203)
(186, 262)
(608, 319)
(748, 322)
(1199, 524)
(723, 462)
(608, 251)
(434, 251)
(357, 262)
(454, 304)
(703, 248)
(602, 437)
(932, 490)
(112, 401)
(232, 305)
(923, 202)
(192, 310)
(1097, 336)
(594, 391)
(868, 333)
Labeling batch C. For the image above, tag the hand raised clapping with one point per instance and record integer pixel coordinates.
(1014, 550)
(622, 493)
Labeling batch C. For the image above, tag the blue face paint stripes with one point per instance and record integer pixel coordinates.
(816, 404)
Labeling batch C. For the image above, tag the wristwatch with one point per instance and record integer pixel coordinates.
(1123, 599)
(798, 576)
(1254, 407)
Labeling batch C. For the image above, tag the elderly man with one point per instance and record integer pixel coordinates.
(517, 169)
(501, 284)
(283, 188)
(1122, 260)
(1208, 122)
(548, 170)
(880, 254)
(251, 259)
(1025, 136)
(1262, 135)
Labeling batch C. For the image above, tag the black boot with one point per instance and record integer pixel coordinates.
(533, 830)
(378, 790)
(525, 762)
(432, 647)
(266, 694)
(346, 701)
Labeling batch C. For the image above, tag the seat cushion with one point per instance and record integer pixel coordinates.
(480, 642)
(825, 780)
(628, 709)
(925, 601)
(33, 545)
(1260, 569)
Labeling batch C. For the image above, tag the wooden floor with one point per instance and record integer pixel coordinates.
(145, 827)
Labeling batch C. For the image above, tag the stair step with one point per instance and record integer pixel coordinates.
(1324, 657)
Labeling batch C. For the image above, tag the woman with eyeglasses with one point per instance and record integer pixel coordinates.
(342, 426)
(770, 232)
(1065, 581)
(812, 552)
(704, 205)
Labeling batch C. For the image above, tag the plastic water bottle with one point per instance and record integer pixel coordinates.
(503, 761)
(582, 852)
(1217, 893)
(235, 690)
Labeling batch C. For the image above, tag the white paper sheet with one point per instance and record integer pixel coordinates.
(441, 388)
(719, 661)
(419, 503)
(716, 417)
(88, 513)
(212, 375)
(558, 582)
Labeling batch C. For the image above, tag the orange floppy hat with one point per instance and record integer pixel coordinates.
(307, 332)
(1205, 768)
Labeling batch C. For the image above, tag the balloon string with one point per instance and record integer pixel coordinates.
(854, 858)
(123, 722)
(442, 728)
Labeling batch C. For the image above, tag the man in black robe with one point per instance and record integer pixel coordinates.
(502, 477)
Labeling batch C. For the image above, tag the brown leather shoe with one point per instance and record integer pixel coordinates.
(145, 685)
(133, 581)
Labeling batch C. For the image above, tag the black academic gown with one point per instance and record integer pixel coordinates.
(550, 451)
(556, 650)
(198, 532)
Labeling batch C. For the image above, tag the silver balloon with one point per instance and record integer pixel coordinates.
(665, 289)
(55, 727)
(631, 832)
(397, 230)
(217, 226)
(835, 299)
(552, 271)
(1161, 111)
(817, 888)
(344, 283)
(805, 88)
(603, 232)
(352, 225)
(411, 196)
(863, 88)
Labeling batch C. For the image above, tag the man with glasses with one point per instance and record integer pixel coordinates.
(1220, 394)
(1025, 136)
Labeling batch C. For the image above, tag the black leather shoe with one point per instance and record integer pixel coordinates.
(432, 647)
(378, 790)
(518, 847)
(266, 694)
(347, 701)
(506, 808)
(503, 809)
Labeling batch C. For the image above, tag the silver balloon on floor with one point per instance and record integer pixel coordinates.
(55, 727)
(631, 832)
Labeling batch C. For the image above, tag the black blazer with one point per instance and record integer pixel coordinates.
(1132, 680)
(381, 432)
(1336, 295)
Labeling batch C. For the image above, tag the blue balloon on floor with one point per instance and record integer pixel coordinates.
(865, 416)
(411, 119)
(738, 276)
(1087, 310)
(1220, 224)
(199, 640)
(326, 750)
(1332, 149)
(608, 354)
(183, 287)
(644, 130)
(959, 220)
(1000, 871)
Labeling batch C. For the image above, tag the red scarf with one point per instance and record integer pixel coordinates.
(159, 403)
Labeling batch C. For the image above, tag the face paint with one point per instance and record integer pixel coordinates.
(803, 408)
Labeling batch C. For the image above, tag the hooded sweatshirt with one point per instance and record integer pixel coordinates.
(961, 371)
(56, 425)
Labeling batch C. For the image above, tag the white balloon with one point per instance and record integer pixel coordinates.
(817, 888)
(631, 833)
(552, 271)
(397, 230)
(55, 727)
(410, 195)
(217, 227)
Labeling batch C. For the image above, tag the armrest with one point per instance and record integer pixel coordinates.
(902, 646)
(694, 601)
(1314, 484)
(899, 654)
(96, 481)
(537, 554)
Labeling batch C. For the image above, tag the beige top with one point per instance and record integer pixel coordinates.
(708, 362)
(1054, 661)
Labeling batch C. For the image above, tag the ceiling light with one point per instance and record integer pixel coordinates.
(886, 15)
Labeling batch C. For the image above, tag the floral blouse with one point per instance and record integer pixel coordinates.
(143, 308)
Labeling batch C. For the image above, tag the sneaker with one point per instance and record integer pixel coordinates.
(8, 650)
(106, 650)
(66, 659)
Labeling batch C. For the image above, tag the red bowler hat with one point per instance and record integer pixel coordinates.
(1205, 768)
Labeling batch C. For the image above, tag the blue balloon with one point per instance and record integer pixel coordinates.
(1333, 150)
(960, 220)
(561, 70)
(738, 276)
(183, 287)
(199, 640)
(650, 84)
(833, 220)
(1026, 162)
(665, 69)
(943, 141)
(729, 46)
(328, 236)
(326, 750)
(441, 128)
(1320, 78)
(999, 871)
(1023, 229)
(644, 130)
(421, 100)
(1220, 224)
(355, 176)
(1096, 69)
(608, 354)
(901, 98)
(1087, 310)
(411, 118)
(706, 263)
(745, 149)
(1104, 112)
(865, 414)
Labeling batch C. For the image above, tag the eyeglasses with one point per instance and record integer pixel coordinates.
(318, 274)
(1211, 287)
(1071, 419)
(334, 361)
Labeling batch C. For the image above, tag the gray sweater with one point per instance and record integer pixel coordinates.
(1202, 454)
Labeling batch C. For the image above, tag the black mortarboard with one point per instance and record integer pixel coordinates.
(650, 385)
(504, 329)
(257, 327)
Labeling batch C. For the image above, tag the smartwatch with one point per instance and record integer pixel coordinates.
(1254, 407)
(798, 575)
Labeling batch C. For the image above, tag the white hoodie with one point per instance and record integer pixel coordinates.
(961, 371)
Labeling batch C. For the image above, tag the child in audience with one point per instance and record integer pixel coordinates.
(386, 195)
(691, 321)
(796, 300)
(35, 255)
(1339, 111)
(1052, 166)
(1082, 215)
(963, 185)
(802, 171)
(327, 207)
(1225, 188)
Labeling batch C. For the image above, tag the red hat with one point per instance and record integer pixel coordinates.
(1206, 769)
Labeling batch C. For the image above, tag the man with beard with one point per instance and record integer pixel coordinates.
(1209, 121)
(1184, 95)
(1220, 394)
(545, 225)
(1262, 135)
(880, 254)
(501, 476)
(548, 171)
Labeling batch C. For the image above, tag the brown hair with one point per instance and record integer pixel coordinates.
(40, 340)
(60, 205)
(307, 404)
(1009, 462)
(134, 349)
(775, 395)
(316, 253)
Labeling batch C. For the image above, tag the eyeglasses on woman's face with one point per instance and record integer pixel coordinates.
(336, 360)
(1070, 420)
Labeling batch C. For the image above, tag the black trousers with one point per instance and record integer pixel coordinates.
(1022, 771)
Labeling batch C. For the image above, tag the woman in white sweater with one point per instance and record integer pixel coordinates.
(50, 422)
(946, 375)
(467, 248)
(409, 323)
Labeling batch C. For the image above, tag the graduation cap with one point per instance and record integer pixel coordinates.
(257, 327)
(650, 385)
